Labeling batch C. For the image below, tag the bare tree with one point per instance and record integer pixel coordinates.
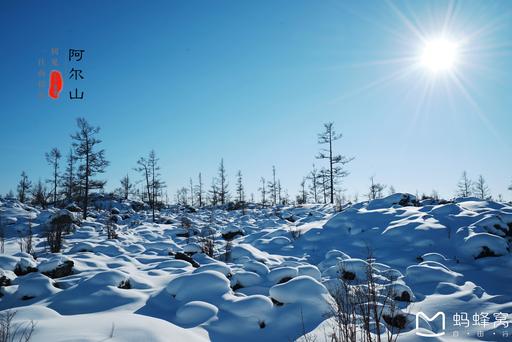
(481, 189)
(200, 191)
(391, 190)
(279, 192)
(93, 161)
(336, 161)
(360, 307)
(149, 169)
(240, 194)
(214, 193)
(52, 158)
(465, 186)
(263, 191)
(40, 195)
(69, 177)
(28, 239)
(272, 186)
(323, 183)
(126, 187)
(182, 196)
(2, 234)
(223, 183)
(14, 332)
(375, 189)
(23, 188)
(191, 192)
(144, 169)
(303, 197)
(313, 178)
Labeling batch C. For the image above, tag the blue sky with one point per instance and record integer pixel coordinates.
(253, 82)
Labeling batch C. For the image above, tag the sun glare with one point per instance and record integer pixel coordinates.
(439, 55)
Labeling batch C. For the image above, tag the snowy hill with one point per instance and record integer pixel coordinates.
(269, 274)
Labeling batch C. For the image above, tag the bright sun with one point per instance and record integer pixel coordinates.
(439, 55)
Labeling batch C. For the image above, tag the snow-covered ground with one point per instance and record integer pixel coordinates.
(277, 282)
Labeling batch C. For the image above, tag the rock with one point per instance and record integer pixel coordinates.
(228, 236)
(6, 277)
(25, 266)
(73, 207)
(115, 218)
(63, 217)
(57, 267)
(185, 257)
(192, 248)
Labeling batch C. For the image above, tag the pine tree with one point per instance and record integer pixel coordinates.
(23, 188)
(279, 191)
(240, 187)
(336, 161)
(200, 191)
(69, 182)
(126, 187)
(375, 189)
(92, 161)
(303, 197)
(313, 188)
(263, 191)
(191, 192)
(52, 158)
(149, 169)
(214, 193)
(465, 186)
(323, 183)
(481, 189)
(272, 186)
(222, 187)
(40, 195)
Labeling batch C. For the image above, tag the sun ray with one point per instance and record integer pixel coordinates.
(400, 73)
(406, 21)
(480, 114)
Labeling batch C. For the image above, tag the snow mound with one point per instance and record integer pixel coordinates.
(302, 289)
(280, 274)
(481, 245)
(391, 200)
(195, 313)
(203, 286)
(245, 279)
(431, 272)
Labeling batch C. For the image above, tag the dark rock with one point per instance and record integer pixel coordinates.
(404, 297)
(231, 235)
(237, 287)
(125, 284)
(19, 271)
(347, 275)
(284, 280)
(290, 219)
(73, 207)
(4, 281)
(486, 252)
(62, 270)
(276, 302)
(398, 321)
(183, 256)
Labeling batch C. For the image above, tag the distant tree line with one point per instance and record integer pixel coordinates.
(73, 180)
